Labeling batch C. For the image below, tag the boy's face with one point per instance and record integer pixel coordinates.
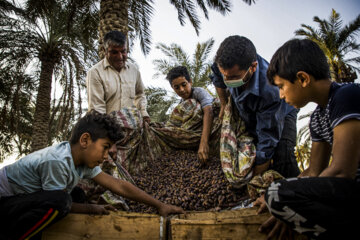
(182, 87)
(96, 151)
(292, 93)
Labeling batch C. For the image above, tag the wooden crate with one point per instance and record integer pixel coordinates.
(117, 225)
(233, 224)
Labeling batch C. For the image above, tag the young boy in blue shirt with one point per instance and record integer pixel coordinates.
(323, 202)
(180, 81)
(35, 190)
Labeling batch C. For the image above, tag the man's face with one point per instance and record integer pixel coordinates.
(182, 87)
(117, 56)
(235, 73)
(96, 152)
(293, 93)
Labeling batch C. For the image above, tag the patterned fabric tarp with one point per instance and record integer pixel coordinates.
(143, 142)
(182, 131)
(259, 183)
(237, 150)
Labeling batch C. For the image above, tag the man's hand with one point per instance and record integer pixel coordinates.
(166, 209)
(260, 169)
(147, 119)
(203, 152)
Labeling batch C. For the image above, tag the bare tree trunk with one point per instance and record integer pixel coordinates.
(113, 16)
(42, 110)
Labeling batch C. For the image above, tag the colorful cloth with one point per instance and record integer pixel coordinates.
(237, 150)
(259, 183)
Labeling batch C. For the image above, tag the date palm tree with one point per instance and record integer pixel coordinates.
(54, 41)
(198, 66)
(338, 43)
(133, 17)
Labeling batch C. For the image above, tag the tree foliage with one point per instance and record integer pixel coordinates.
(198, 66)
(159, 103)
(133, 17)
(53, 42)
(338, 43)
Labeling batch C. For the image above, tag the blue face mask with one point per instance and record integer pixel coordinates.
(236, 82)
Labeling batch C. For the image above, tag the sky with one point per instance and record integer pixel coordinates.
(267, 23)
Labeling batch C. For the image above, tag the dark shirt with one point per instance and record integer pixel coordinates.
(343, 104)
(261, 108)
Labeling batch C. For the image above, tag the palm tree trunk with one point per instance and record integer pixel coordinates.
(113, 16)
(42, 111)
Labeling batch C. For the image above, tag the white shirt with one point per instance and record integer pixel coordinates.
(109, 90)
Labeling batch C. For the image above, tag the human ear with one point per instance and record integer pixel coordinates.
(85, 140)
(254, 66)
(304, 78)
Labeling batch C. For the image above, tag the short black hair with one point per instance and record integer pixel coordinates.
(236, 50)
(178, 71)
(114, 37)
(298, 55)
(98, 125)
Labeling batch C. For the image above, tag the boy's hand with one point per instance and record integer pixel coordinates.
(203, 152)
(274, 228)
(222, 111)
(166, 209)
(101, 209)
(91, 208)
(147, 119)
(260, 201)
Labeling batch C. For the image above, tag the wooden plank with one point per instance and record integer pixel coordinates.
(117, 225)
(218, 215)
(233, 224)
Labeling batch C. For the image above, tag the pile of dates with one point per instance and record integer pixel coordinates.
(180, 179)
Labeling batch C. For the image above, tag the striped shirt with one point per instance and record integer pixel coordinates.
(343, 104)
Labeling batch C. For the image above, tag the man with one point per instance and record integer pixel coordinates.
(113, 83)
(268, 119)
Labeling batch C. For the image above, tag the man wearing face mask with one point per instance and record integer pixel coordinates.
(240, 71)
(113, 83)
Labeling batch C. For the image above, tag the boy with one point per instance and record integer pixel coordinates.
(268, 119)
(180, 81)
(35, 190)
(324, 202)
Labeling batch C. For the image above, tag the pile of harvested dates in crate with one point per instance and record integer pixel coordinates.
(180, 179)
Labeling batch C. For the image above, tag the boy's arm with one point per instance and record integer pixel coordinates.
(91, 208)
(319, 159)
(130, 191)
(203, 152)
(223, 97)
(346, 150)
